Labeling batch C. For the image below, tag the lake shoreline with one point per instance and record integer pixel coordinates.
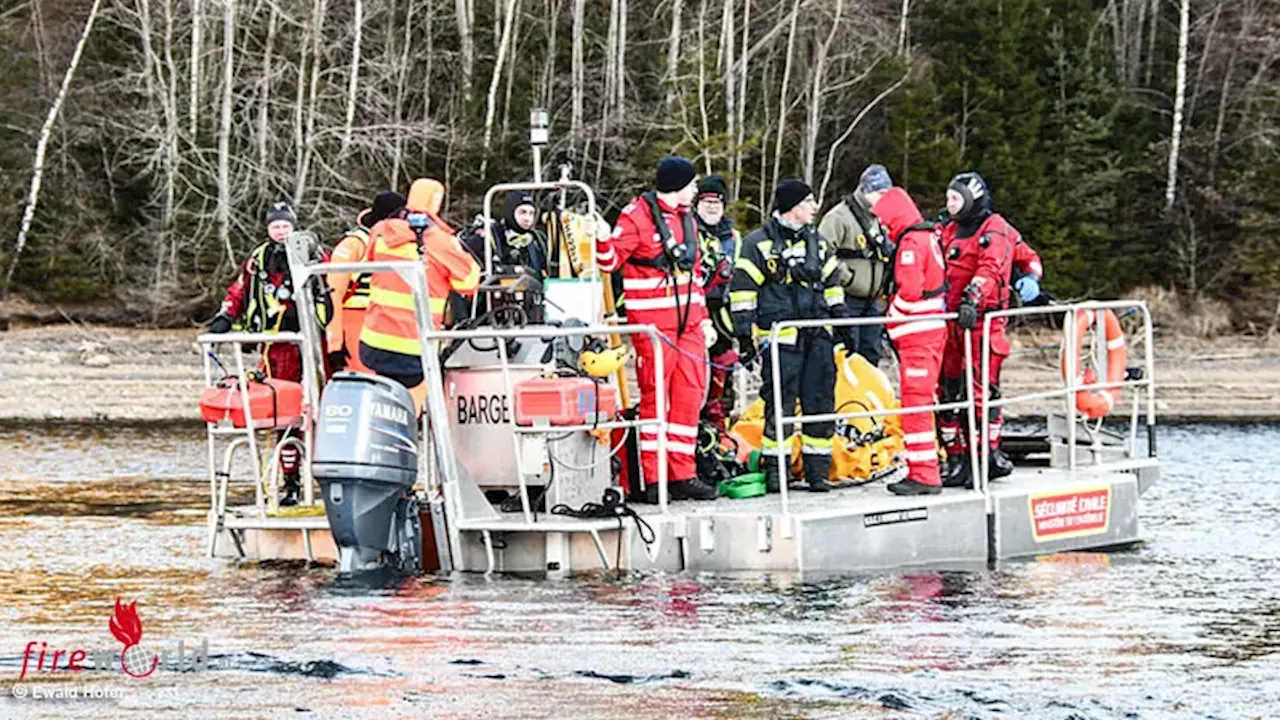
(91, 375)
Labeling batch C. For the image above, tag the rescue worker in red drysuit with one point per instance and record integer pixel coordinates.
(919, 277)
(655, 245)
(720, 241)
(262, 300)
(979, 248)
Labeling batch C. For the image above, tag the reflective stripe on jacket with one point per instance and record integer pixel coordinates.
(391, 323)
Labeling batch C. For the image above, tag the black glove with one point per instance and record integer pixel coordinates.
(968, 311)
(845, 336)
(746, 350)
(220, 324)
(338, 360)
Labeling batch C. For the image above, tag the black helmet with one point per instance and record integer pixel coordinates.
(976, 194)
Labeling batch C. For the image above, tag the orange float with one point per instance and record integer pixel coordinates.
(1096, 403)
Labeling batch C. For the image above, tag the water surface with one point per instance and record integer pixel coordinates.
(1186, 626)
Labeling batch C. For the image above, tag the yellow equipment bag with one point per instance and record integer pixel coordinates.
(864, 449)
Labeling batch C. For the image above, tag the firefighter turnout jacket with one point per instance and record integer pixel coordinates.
(784, 273)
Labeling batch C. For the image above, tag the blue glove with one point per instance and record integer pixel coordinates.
(1028, 288)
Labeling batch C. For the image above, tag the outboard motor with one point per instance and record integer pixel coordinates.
(366, 461)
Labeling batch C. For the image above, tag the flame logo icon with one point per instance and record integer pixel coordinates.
(127, 628)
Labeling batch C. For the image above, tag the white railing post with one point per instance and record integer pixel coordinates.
(783, 450)
(975, 434)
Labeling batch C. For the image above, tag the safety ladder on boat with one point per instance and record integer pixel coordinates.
(226, 438)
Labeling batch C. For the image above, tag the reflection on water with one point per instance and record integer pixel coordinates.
(1186, 626)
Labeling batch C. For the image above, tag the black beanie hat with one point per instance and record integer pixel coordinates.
(282, 211)
(387, 204)
(713, 185)
(674, 173)
(789, 194)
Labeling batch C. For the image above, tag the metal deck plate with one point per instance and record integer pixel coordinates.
(845, 530)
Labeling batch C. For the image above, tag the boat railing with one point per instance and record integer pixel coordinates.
(782, 421)
(561, 185)
(1073, 382)
(265, 475)
(466, 507)
(551, 333)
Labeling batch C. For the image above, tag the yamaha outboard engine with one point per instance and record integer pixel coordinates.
(366, 461)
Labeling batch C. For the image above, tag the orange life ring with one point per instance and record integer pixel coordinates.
(1097, 403)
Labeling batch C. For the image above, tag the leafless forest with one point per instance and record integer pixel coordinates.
(1134, 141)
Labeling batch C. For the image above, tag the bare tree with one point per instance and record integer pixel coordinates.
(307, 150)
(353, 82)
(814, 121)
(547, 84)
(853, 124)
(197, 23)
(743, 69)
(579, 72)
(902, 28)
(466, 20)
(224, 127)
(622, 54)
(493, 83)
(42, 147)
(1180, 98)
(726, 76)
(702, 84)
(402, 80)
(264, 95)
(673, 51)
(782, 94)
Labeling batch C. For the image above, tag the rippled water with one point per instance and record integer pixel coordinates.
(1186, 626)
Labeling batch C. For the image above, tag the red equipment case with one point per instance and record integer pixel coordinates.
(564, 401)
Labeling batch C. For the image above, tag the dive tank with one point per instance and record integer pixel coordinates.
(366, 461)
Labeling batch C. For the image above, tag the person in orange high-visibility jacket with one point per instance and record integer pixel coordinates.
(919, 276)
(389, 343)
(350, 291)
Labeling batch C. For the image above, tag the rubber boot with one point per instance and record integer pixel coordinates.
(912, 487)
(680, 490)
(693, 489)
(1001, 465)
(955, 473)
(816, 470)
(292, 490)
(771, 474)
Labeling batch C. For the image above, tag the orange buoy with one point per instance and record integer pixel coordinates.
(272, 402)
(1096, 403)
